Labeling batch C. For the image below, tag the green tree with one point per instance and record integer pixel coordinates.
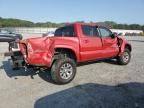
(111, 24)
(10, 22)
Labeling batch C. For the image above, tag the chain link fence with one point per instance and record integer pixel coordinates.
(29, 30)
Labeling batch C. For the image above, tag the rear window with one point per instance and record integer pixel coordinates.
(67, 31)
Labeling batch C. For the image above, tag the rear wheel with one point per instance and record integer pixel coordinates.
(125, 58)
(63, 70)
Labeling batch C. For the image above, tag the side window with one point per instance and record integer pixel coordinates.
(65, 31)
(105, 32)
(68, 31)
(89, 30)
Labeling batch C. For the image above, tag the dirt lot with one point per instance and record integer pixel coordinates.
(102, 84)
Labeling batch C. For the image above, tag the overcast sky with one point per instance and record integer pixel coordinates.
(120, 11)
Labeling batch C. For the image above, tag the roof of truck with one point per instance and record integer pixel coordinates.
(78, 23)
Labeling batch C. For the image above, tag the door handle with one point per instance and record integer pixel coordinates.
(86, 41)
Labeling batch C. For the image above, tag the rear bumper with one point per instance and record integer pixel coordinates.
(16, 57)
(8, 54)
(13, 53)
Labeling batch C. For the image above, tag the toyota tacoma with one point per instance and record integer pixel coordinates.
(73, 44)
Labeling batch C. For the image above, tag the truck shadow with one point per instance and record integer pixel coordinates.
(109, 61)
(15, 73)
(129, 95)
(45, 75)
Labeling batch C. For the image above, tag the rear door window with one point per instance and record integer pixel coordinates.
(89, 30)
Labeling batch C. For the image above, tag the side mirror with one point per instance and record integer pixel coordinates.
(114, 35)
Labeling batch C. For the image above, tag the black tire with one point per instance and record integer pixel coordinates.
(60, 73)
(125, 58)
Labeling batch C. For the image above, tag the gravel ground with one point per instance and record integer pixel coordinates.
(102, 84)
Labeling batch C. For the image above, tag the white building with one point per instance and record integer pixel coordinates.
(123, 32)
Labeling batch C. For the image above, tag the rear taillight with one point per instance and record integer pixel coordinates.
(23, 49)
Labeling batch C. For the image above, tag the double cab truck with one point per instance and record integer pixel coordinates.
(73, 44)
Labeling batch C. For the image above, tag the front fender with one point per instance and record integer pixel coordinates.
(124, 44)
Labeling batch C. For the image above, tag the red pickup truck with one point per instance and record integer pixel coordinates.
(73, 44)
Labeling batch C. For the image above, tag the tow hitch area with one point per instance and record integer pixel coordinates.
(17, 59)
(6, 54)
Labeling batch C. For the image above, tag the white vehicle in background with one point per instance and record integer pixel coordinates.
(49, 33)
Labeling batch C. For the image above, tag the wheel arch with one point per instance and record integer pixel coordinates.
(64, 50)
(123, 46)
(70, 52)
(128, 46)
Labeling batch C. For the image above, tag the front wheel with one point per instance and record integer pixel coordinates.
(125, 58)
(63, 70)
